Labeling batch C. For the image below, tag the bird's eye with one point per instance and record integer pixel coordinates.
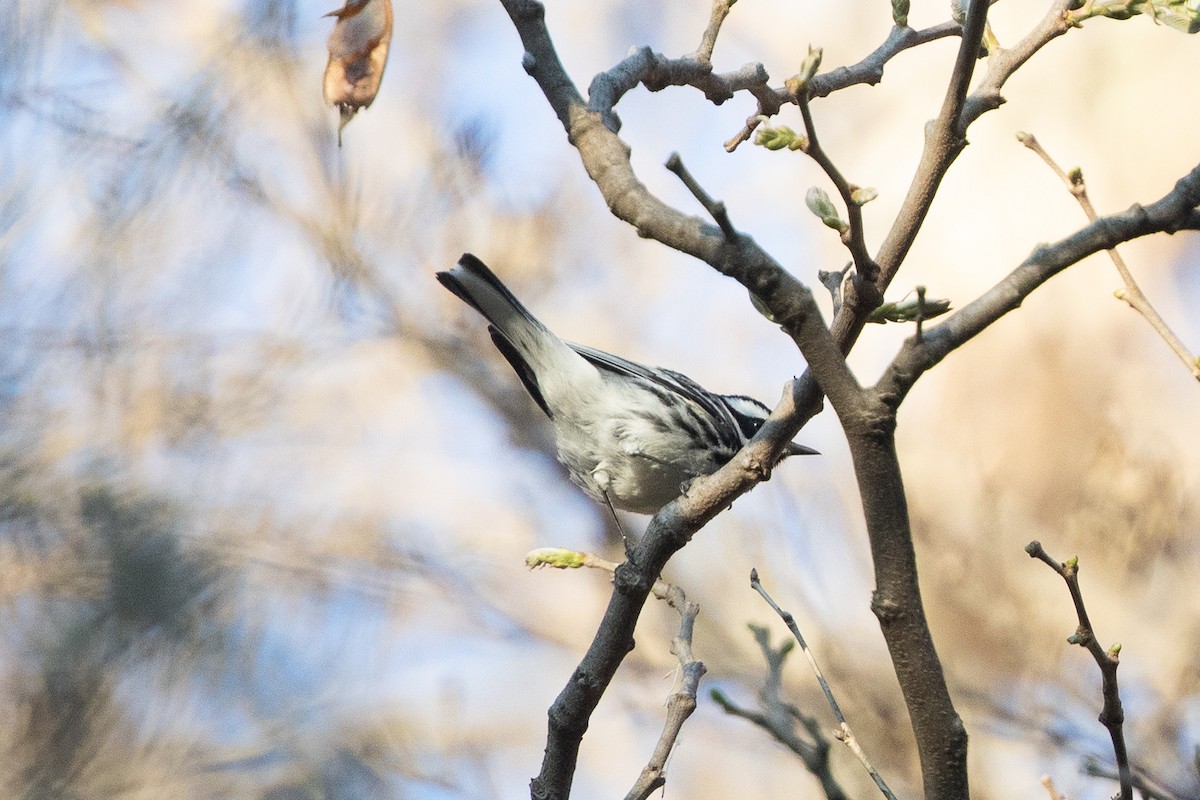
(748, 424)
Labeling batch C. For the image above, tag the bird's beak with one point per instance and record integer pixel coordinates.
(794, 449)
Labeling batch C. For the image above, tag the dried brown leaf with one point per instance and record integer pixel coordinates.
(358, 51)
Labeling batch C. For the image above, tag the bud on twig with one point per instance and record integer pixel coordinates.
(820, 204)
(557, 557)
(909, 309)
(861, 195)
(798, 83)
(779, 138)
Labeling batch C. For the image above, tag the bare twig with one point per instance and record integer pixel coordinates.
(845, 735)
(682, 701)
(1132, 293)
(834, 282)
(1003, 63)
(1112, 716)
(716, 208)
(720, 10)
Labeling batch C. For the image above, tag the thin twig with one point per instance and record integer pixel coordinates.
(834, 281)
(845, 735)
(682, 701)
(1132, 293)
(715, 208)
(720, 10)
(854, 237)
(1112, 715)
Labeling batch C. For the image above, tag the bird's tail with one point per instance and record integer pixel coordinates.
(542, 360)
(478, 287)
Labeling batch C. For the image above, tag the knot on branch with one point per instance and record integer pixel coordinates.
(629, 580)
(875, 418)
(586, 681)
(885, 609)
(562, 718)
(758, 468)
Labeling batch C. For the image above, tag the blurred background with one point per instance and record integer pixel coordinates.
(266, 488)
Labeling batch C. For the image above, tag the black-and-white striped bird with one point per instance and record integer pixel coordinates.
(631, 436)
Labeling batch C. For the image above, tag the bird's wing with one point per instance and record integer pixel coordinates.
(669, 380)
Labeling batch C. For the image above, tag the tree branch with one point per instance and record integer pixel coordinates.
(868, 417)
(1147, 787)
(606, 160)
(945, 138)
(940, 738)
(868, 71)
(1112, 716)
(1132, 293)
(1166, 215)
(720, 10)
(682, 701)
(715, 208)
(1004, 62)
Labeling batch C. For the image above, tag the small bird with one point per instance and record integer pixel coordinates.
(632, 437)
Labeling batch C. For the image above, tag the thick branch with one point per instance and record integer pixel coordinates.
(945, 138)
(940, 735)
